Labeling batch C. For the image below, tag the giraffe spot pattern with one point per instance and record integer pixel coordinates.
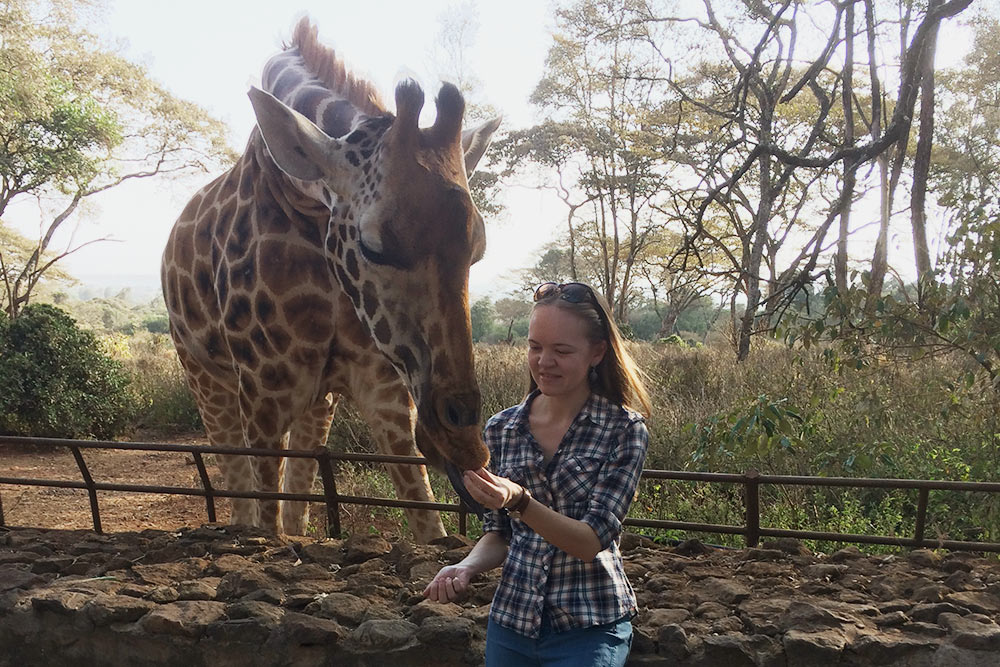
(242, 274)
(285, 82)
(382, 331)
(239, 239)
(249, 386)
(184, 249)
(212, 344)
(307, 358)
(351, 261)
(280, 339)
(239, 313)
(190, 304)
(348, 286)
(275, 376)
(222, 284)
(265, 417)
(356, 137)
(203, 279)
(264, 307)
(369, 299)
(260, 342)
(308, 315)
(337, 119)
(247, 179)
(243, 352)
(308, 100)
(407, 358)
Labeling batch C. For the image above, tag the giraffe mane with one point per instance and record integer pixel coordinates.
(326, 66)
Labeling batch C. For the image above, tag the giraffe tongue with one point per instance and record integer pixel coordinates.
(455, 477)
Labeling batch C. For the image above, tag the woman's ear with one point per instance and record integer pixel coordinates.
(600, 349)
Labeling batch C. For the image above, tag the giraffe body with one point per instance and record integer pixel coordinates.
(332, 260)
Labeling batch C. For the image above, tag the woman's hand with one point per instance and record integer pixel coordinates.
(491, 490)
(450, 584)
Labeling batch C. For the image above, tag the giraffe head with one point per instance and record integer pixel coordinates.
(403, 233)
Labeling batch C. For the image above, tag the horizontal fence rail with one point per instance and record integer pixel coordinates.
(751, 482)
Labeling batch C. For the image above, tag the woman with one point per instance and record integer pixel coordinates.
(565, 464)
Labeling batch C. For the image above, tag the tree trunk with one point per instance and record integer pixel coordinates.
(847, 100)
(922, 160)
(759, 237)
(880, 258)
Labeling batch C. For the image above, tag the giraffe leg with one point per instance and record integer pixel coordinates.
(386, 405)
(220, 414)
(307, 432)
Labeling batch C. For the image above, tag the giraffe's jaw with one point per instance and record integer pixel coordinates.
(455, 477)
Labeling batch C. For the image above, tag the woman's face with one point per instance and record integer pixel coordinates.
(559, 352)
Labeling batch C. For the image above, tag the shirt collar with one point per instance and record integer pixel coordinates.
(597, 409)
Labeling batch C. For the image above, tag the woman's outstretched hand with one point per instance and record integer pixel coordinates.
(490, 490)
(449, 584)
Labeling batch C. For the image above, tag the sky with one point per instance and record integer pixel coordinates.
(211, 51)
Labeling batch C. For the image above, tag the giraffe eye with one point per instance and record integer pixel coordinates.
(373, 256)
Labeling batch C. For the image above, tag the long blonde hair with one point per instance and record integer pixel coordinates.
(619, 379)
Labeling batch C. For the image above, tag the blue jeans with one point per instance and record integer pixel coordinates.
(598, 646)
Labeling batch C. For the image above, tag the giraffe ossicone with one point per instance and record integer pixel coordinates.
(333, 260)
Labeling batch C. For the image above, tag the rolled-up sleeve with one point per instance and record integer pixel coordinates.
(616, 483)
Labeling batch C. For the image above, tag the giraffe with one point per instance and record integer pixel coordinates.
(332, 260)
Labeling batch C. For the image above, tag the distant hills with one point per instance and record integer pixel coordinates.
(134, 288)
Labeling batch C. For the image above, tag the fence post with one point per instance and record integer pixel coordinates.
(2, 524)
(921, 517)
(91, 489)
(329, 491)
(206, 484)
(751, 486)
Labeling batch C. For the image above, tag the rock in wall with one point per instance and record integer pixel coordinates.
(225, 595)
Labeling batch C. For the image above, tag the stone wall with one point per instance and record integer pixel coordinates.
(220, 595)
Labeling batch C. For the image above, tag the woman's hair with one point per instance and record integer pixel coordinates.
(619, 379)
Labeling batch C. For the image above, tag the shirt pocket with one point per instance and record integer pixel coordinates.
(576, 479)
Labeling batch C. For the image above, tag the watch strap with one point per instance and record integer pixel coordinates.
(520, 504)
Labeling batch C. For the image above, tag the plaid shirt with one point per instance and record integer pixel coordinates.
(592, 478)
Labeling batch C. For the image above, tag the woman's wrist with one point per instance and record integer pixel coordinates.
(516, 498)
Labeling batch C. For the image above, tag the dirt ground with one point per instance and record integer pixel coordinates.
(50, 507)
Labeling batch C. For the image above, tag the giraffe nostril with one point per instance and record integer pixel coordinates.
(454, 416)
(459, 411)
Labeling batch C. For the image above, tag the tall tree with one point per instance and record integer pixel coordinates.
(601, 96)
(780, 141)
(80, 119)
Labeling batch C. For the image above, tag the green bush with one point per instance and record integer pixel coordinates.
(163, 400)
(55, 380)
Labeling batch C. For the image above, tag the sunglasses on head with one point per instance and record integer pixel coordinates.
(572, 292)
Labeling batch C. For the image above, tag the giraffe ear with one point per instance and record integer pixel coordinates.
(299, 148)
(476, 140)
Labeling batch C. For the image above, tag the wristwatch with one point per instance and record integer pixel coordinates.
(516, 509)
